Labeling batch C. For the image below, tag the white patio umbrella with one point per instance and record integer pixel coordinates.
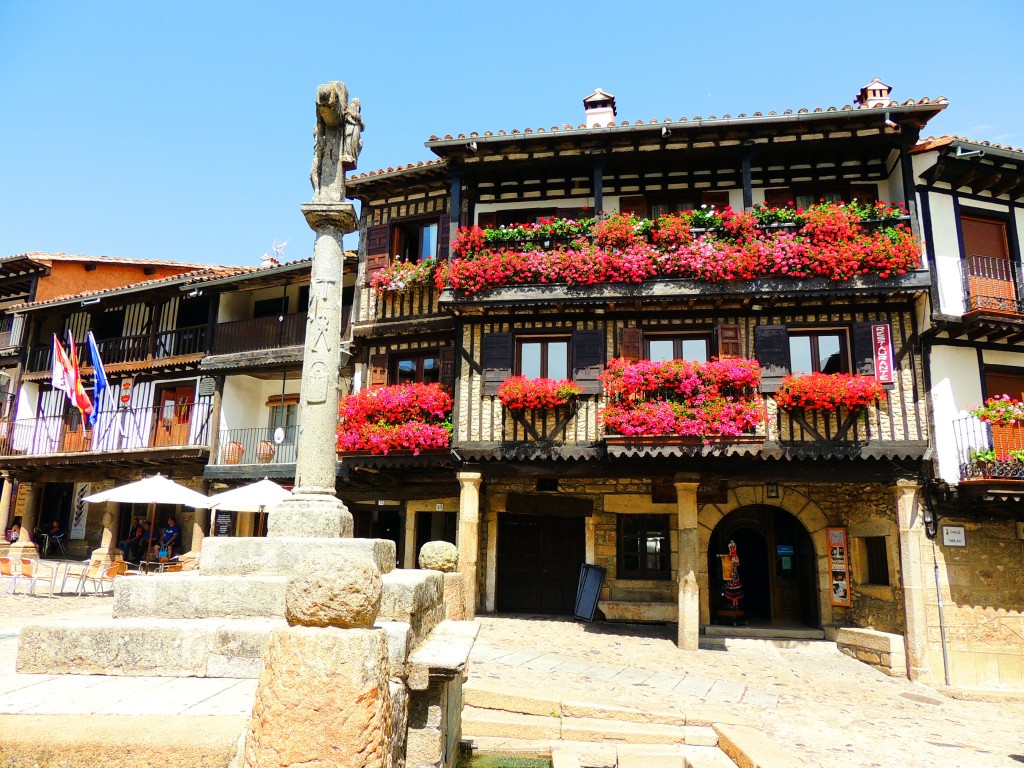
(254, 497)
(152, 490)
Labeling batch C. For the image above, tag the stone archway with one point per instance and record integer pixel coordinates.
(790, 500)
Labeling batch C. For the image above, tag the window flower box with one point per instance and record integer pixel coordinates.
(828, 392)
(519, 393)
(403, 417)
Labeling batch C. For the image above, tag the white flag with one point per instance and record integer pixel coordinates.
(60, 379)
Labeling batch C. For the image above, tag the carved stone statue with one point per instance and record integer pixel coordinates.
(337, 141)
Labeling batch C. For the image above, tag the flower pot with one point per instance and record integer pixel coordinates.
(265, 451)
(232, 452)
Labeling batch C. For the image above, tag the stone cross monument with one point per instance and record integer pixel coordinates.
(314, 510)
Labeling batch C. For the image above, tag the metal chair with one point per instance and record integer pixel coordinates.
(10, 573)
(101, 575)
(36, 572)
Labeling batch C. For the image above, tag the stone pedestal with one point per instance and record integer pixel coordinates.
(469, 536)
(24, 547)
(5, 503)
(314, 510)
(200, 528)
(107, 552)
(910, 519)
(689, 593)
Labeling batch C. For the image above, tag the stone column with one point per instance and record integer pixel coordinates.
(469, 535)
(24, 546)
(107, 552)
(314, 510)
(409, 558)
(910, 519)
(689, 593)
(5, 502)
(200, 529)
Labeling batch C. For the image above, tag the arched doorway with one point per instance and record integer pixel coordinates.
(777, 567)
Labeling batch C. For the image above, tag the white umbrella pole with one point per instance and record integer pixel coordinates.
(152, 529)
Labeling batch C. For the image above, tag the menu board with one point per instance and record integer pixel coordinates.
(839, 565)
(223, 523)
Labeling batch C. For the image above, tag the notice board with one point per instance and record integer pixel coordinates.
(839, 565)
(589, 591)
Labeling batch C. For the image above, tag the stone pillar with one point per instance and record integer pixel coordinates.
(910, 519)
(24, 546)
(5, 502)
(689, 554)
(409, 558)
(107, 552)
(314, 510)
(469, 535)
(200, 530)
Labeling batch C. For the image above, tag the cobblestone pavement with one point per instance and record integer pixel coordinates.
(830, 710)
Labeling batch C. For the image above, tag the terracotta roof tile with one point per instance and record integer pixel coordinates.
(409, 167)
(43, 256)
(937, 142)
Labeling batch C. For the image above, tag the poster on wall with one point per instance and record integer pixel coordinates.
(839, 565)
(79, 511)
(223, 523)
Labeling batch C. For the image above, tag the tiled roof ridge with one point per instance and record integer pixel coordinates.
(934, 142)
(941, 100)
(407, 167)
(60, 256)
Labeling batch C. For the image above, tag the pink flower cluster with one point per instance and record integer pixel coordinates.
(679, 397)
(1001, 411)
(520, 392)
(828, 391)
(401, 276)
(409, 417)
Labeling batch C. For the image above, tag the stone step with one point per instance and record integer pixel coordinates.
(765, 643)
(706, 757)
(596, 729)
(244, 555)
(595, 754)
(783, 633)
(509, 725)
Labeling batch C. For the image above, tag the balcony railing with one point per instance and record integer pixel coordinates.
(259, 333)
(989, 451)
(991, 284)
(172, 425)
(257, 446)
(10, 331)
(190, 340)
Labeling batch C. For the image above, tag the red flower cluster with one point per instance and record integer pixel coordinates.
(830, 243)
(828, 391)
(679, 397)
(410, 417)
(1001, 411)
(519, 392)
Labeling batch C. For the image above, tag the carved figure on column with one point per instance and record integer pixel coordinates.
(328, 173)
(353, 143)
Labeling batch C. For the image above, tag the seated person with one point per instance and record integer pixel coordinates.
(132, 546)
(171, 538)
(147, 541)
(54, 535)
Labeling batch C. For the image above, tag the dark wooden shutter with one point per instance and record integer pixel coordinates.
(487, 220)
(780, 197)
(631, 344)
(448, 368)
(864, 193)
(634, 204)
(717, 200)
(377, 242)
(771, 348)
(588, 360)
(863, 349)
(497, 360)
(378, 370)
(984, 237)
(444, 236)
(730, 342)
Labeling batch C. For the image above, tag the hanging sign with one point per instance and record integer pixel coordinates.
(881, 343)
(126, 392)
(207, 386)
(79, 512)
(839, 565)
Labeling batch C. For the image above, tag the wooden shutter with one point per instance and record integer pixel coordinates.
(588, 360)
(984, 237)
(863, 349)
(487, 220)
(990, 280)
(497, 360)
(378, 370)
(634, 204)
(718, 200)
(771, 348)
(864, 193)
(444, 236)
(377, 242)
(448, 368)
(730, 341)
(780, 197)
(631, 344)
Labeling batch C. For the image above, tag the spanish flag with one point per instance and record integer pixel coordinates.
(77, 394)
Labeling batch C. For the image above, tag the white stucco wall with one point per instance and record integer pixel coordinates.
(244, 404)
(946, 246)
(956, 388)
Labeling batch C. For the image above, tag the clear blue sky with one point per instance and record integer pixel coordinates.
(183, 130)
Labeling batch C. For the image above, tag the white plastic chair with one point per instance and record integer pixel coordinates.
(34, 572)
(10, 573)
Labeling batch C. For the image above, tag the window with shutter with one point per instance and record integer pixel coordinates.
(487, 220)
(588, 360)
(780, 197)
(448, 367)
(377, 249)
(497, 360)
(730, 341)
(378, 370)
(864, 193)
(717, 200)
(444, 236)
(771, 348)
(863, 349)
(818, 352)
(631, 344)
(990, 278)
(634, 204)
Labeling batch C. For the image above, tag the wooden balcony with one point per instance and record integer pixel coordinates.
(180, 342)
(272, 332)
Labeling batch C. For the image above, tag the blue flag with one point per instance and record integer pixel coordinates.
(99, 378)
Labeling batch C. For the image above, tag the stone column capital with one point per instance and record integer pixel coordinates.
(469, 479)
(907, 485)
(686, 478)
(341, 216)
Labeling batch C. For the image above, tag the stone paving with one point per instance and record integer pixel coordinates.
(828, 709)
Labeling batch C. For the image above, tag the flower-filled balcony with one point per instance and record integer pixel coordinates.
(990, 442)
(830, 243)
(683, 407)
(403, 290)
(539, 410)
(397, 420)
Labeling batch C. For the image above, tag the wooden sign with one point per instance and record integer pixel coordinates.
(712, 492)
(839, 565)
(881, 342)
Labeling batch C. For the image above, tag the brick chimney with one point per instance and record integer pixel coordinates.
(874, 94)
(599, 108)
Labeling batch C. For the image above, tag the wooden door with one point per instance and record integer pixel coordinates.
(787, 555)
(77, 436)
(172, 421)
(539, 559)
(991, 283)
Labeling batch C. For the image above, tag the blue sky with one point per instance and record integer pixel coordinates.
(183, 130)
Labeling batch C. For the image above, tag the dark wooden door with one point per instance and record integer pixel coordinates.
(539, 559)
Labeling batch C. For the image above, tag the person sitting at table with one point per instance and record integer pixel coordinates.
(171, 537)
(147, 541)
(132, 546)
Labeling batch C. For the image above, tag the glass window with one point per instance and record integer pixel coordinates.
(417, 369)
(285, 416)
(544, 358)
(692, 348)
(877, 560)
(643, 547)
(428, 241)
(807, 199)
(818, 352)
(413, 241)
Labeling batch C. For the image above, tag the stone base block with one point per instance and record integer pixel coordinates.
(193, 595)
(883, 650)
(444, 654)
(312, 516)
(157, 647)
(624, 610)
(454, 597)
(415, 597)
(239, 556)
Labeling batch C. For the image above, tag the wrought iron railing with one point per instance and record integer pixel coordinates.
(10, 331)
(989, 450)
(190, 340)
(257, 445)
(991, 284)
(172, 425)
(259, 333)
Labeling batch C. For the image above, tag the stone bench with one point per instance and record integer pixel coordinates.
(882, 650)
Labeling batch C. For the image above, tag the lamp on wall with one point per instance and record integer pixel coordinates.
(771, 490)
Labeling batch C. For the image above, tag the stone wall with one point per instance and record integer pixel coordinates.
(983, 605)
